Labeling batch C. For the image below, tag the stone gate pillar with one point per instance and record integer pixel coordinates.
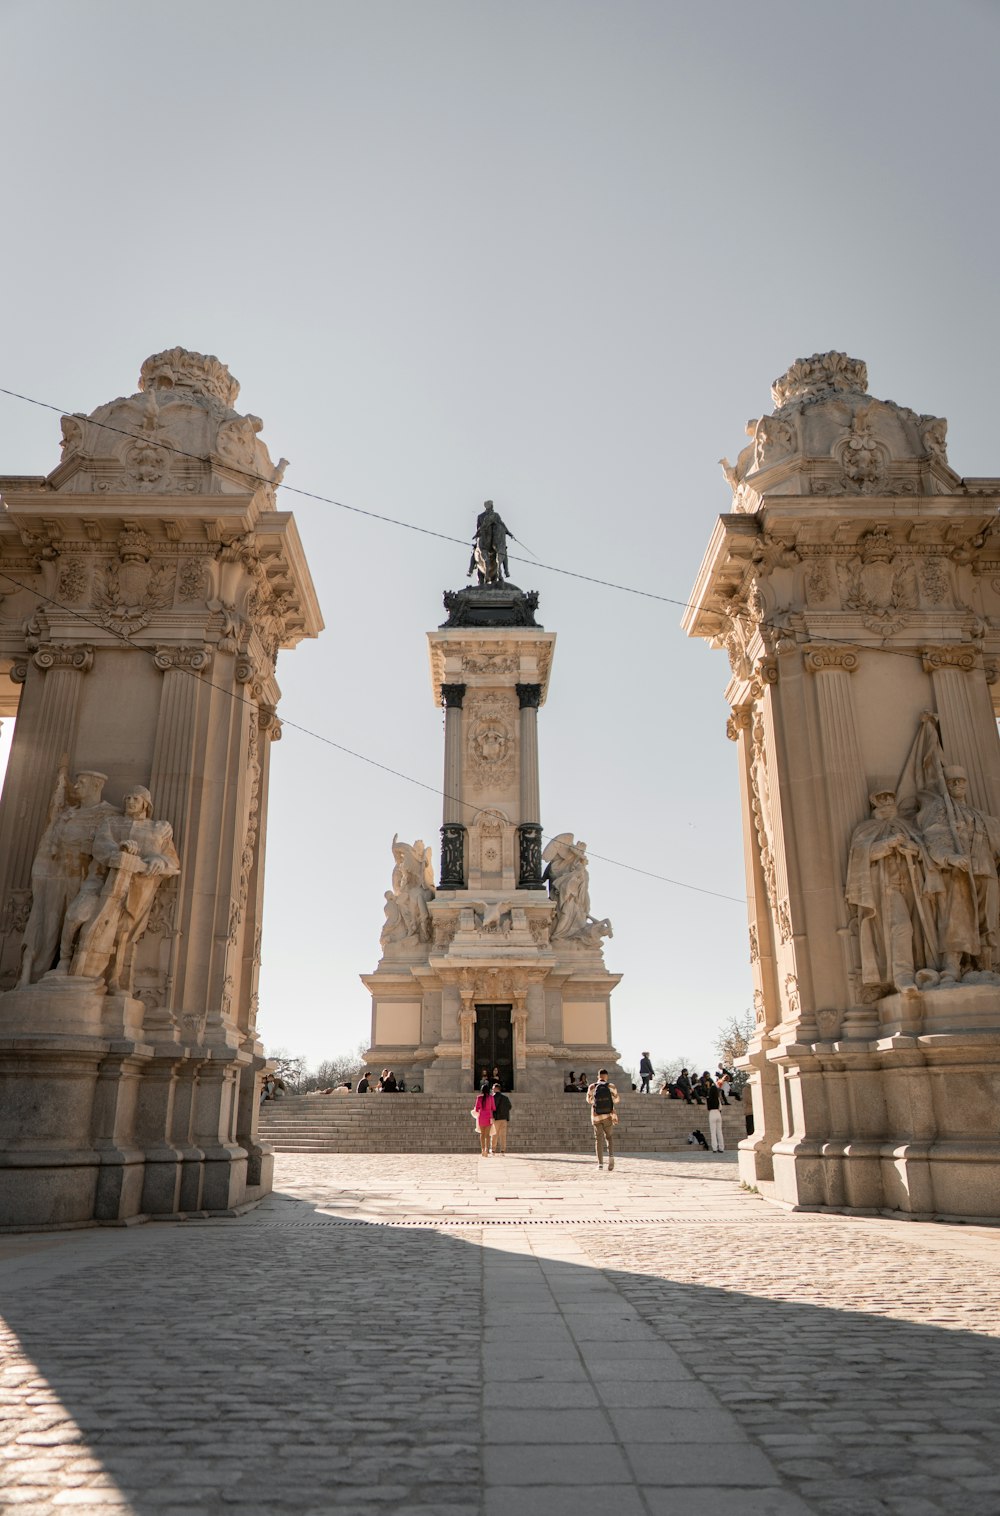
(150, 582)
(855, 588)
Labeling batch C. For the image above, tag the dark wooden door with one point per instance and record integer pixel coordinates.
(494, 1045)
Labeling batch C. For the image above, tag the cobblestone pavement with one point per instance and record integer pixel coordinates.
(510, 1337)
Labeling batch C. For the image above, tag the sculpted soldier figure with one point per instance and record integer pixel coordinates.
(489, 553)
(132, 854)
(60, 866)
(964, 843)
(891, 882)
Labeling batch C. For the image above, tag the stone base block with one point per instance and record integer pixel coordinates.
(225, 1179)
(66, 1005)
(40, 1190)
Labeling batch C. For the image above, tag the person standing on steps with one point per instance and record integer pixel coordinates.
(602, 1097)
(713, 1103)
(483, 1113)
(501, 1118)
(645, 1073)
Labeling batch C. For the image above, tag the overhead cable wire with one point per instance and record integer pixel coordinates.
(340, 747)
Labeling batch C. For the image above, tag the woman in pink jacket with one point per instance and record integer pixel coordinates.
(483, 1113)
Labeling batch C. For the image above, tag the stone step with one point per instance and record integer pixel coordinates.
(442, 1124)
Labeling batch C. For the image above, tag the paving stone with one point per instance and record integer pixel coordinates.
(834, 1366)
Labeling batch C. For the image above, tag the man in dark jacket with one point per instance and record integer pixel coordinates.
(645, 1074)
(501, 1116)
(684, 1085)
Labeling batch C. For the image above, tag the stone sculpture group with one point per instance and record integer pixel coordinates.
(94, 879)
(406, 913)
(925, 885)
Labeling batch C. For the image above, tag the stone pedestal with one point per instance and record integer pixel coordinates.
(494, 958)
(855, 588)
(155, 582)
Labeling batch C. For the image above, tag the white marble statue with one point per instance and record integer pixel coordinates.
(132, 854)
(892, 885)
(61, 863)
(412, 888)
(964, 843)
(566, 873)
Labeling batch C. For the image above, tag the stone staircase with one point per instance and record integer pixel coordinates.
(442, 1124)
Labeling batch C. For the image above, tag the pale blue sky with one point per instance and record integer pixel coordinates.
(553, 253)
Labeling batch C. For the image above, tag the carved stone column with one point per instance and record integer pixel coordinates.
(962, 701)
(171, 779)
(519, 1024)
(530, 829)
(453, 829)
(845, 783)
(44, 733)
(466, 1021)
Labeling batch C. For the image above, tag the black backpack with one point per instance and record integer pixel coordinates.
(604, 1101)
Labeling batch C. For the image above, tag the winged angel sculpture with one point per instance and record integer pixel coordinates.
(566, 872)
(406, 913)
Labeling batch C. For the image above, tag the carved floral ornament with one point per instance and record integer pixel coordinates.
(822, 374)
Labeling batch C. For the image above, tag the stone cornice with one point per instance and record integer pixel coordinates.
(493, 658)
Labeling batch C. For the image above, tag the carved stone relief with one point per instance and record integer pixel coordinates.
(490, 663)
(864, 460)
(129, 589)
(491, 724)
(72, 579)
(191, 579)
(880, 583)
(761, 804)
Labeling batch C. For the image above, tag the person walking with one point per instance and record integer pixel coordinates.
(713, 1104)
(645, 1074)
(501, 1118)
(483, 1112)
(602, 1098)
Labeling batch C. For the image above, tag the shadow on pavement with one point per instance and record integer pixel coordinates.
(289, 1364)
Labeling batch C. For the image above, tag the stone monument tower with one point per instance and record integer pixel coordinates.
(856, 590)
(501, 964)
(146, 586)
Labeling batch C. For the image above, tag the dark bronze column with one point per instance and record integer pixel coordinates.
(453, 828)
(529, 832)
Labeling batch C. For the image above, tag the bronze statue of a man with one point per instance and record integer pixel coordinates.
(489, 552)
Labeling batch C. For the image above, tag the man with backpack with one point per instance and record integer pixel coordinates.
(602, 1098)
(501, 1116)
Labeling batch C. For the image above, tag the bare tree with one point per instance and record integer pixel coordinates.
(290, 1070)
(333, 1071)
(732, 1041)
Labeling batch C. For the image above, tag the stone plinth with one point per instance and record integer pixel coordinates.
(856, 590)
(154, 582)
